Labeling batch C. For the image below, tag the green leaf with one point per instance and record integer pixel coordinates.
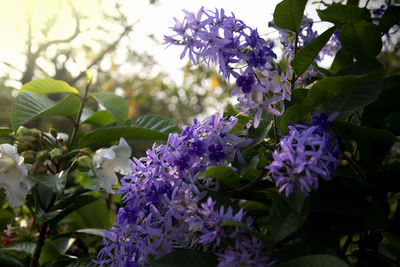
(390, 18)
(288, 215)
(343, 58)
(5, 218)
(28, 106)
(289, 13)
(225, 175)
(70, 205)
(99, 118)
(314, 261)
(392, 122)
(303, 59)
(362, 38)
(323, 91)
(82, 263)
(10, 260)
(55, 182)
(360, 95)
(106, 135)
(49, 252)
(158, 123)
(338, 13)
(348, 131)
(184, 258)
(24, 247)
(5, 131)
(48, 86)
(116, 105)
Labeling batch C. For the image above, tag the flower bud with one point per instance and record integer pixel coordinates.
(42, 155)
(53, 132)
(84, 163)
(29, 156)
(56, 154)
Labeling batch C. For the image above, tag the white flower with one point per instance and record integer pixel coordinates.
(14, 175)
(108, 161)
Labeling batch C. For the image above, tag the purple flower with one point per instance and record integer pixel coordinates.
(246, 83)
(304, 155)
(163, 191)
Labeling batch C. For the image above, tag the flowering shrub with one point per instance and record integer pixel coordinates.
(301, 172)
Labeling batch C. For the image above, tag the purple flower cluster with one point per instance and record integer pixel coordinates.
(377, 14)
(240, 52)
(305, 154)
(244, 250)
(163, 194)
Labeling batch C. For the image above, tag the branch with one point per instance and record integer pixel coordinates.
(111, 47)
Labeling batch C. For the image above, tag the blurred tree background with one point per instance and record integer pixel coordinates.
(98, 38)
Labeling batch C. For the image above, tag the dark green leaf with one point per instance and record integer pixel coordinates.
(99, 118)
(55, 182)
(24, 247)
(323, 91)
(288, 215)
(390, 18)
(10, 260)
(303, 59)
(5, 131)
(338, 13)
(48, 86)
(225, 175)
(76, 202)
(106, 135)
(343, 58)
(391, 243)
(158, 123)
(392, 122)
(5, 218)
(348, 131)
(49, 252)
(116, 105)
(362, 38)
(184, 258)
(314, 261)
(289, 13)
(28, 106)
(82, 263)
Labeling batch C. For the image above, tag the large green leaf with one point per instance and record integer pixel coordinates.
(116, 105)
(5, 131)
(5, 218)
(184, 258)
(99, 118)
(225, 175)
(359, 95)
(82, 263)
(55, 182)
(343, 58)
(24, 247)
(106, 135)
(158, 123)
(72, 204)
(48, 86)
(289, 13)
(303, 59)
(28, 106)
(361, 38)
(348, 131)
(323, 91)
(10, 260)
(288, 215)
(314, 261)
(338, 13)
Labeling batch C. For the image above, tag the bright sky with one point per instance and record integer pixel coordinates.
(155, 20)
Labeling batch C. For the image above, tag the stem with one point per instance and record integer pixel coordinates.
(347, 244)
(42, 235)
(293, 81)
(78, 116)
(356, 167)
